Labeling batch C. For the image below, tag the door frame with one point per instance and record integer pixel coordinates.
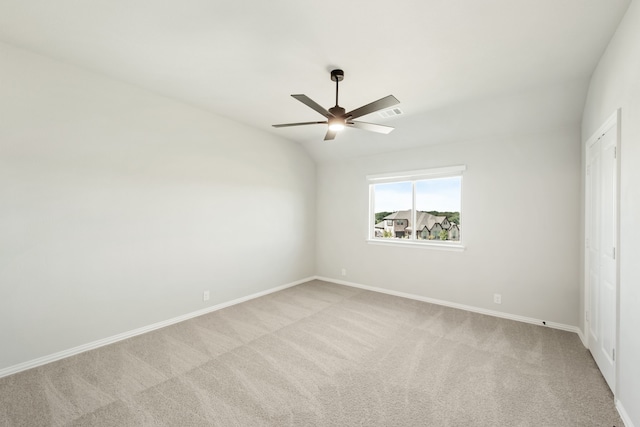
(614, 121)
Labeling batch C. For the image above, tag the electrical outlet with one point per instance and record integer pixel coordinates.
(344, 271)
(205, 296)
(497, 298)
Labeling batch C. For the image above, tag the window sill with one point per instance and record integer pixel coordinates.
(457, 247)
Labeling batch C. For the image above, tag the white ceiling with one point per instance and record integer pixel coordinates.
(457, 66)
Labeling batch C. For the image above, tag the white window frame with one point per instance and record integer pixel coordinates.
(413, 176)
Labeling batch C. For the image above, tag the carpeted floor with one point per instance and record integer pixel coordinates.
(321, 354)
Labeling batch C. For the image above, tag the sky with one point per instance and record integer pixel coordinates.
(441, 194)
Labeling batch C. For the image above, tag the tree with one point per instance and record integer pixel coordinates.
(443, 235)
(380, 215)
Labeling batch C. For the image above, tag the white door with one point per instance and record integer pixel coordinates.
(601, 221)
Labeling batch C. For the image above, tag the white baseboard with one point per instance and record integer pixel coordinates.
(623, 414)
(123, 336)
(583, 338)
(524, 319)
(110, 340)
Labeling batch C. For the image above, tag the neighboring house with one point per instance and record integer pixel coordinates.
(454, 232)
(434, 233)
(429, 226)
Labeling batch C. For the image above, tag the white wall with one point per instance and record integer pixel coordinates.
(615, 84)
(513, 187)
(118, 208)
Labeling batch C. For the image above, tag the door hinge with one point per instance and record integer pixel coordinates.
(615, 152)
(614, 252)
(613, 354)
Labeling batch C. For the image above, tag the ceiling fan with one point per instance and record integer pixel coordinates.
(336, 116)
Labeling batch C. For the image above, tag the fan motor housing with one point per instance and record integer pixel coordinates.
(337, 111)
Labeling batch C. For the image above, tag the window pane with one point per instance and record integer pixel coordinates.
(392, 207)
(438, 208)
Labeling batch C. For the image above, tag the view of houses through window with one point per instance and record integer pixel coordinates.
(418, 209)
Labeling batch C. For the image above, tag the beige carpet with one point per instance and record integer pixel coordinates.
(321, 354)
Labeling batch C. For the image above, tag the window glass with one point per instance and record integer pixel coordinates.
(424, 207)
(392, 200)
(438, 208)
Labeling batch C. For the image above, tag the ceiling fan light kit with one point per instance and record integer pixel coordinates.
(338, 118)
(336, 123)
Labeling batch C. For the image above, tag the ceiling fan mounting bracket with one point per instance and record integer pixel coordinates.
(337, 75)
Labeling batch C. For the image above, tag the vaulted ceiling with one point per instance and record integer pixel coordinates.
(462, 69)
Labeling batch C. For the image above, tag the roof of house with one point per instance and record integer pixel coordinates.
(399, 215)
(424, 219)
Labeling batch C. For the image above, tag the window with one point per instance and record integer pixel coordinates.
(417, 207)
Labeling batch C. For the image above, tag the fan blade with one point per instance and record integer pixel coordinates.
(331, 134)
(313, 104)
(284, 125)
(381, 103)
(371, 126)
